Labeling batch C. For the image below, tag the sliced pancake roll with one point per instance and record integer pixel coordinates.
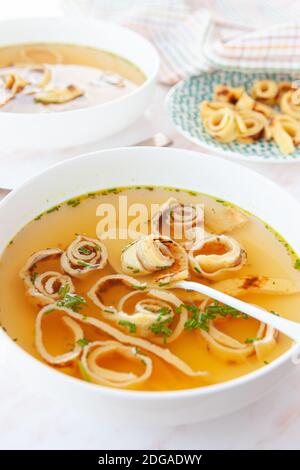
(84, 255)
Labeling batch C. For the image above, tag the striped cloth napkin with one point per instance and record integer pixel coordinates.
(197, 35)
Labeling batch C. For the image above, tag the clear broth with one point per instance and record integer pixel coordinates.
(69, 64)
(267, 255)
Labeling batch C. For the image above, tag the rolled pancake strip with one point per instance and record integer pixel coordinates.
(62, 358)
(285, 130)
(44, 288)
(221, 125)
(247, 103)
(230, 350)
(216, 255)
(251, 126)
(95, 291)
(220, 218)
(162, 353)
(84, 255)
(207, 108)
(289, 105)
(147, 310)
(10, 85)
(178, 219)
(38, 77)
(97, 349)
(253, 284)
(227, 94)
(265, 91)
(59, 95)
(156, 254)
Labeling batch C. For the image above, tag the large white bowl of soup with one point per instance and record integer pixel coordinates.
(89, 311)
(66, 82)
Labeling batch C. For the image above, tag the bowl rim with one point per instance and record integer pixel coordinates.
(149, 78)
(142, 395)
(181, 394)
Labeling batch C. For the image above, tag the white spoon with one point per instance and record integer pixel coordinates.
(288, 327)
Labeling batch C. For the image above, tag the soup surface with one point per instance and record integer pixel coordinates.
(65, 312)
(38, 78)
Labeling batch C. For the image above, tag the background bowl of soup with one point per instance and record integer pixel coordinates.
(166, 400)
(111, 70)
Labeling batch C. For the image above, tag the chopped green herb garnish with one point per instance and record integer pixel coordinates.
(73, 301)
(33, 277)
(191, 308)
(73, 202)
(161, 324)
(83, 342)
(63, 290)
(83, 263)
(127, 246)
(52, 209)
(222, 310)
(84, 251)
(251, 340)
(113, 190)
(129, 325)
(50, 310)
(139, 351)
(164, 311)
(274, 313)
(197, 270)
(161, 327)
(108, 310)
(134, 270)
(142, 287)
(297, 263)
(83, 371)
(200, 319)
(197, 320)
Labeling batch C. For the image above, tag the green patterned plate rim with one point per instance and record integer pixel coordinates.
(182, 105)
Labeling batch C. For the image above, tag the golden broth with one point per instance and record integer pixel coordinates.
(266, 256)
(70, 65)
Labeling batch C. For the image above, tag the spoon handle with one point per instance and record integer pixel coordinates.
(288, 327)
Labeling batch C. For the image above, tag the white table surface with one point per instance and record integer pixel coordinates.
(33, 422)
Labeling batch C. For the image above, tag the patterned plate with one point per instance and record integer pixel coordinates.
(183, 107)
